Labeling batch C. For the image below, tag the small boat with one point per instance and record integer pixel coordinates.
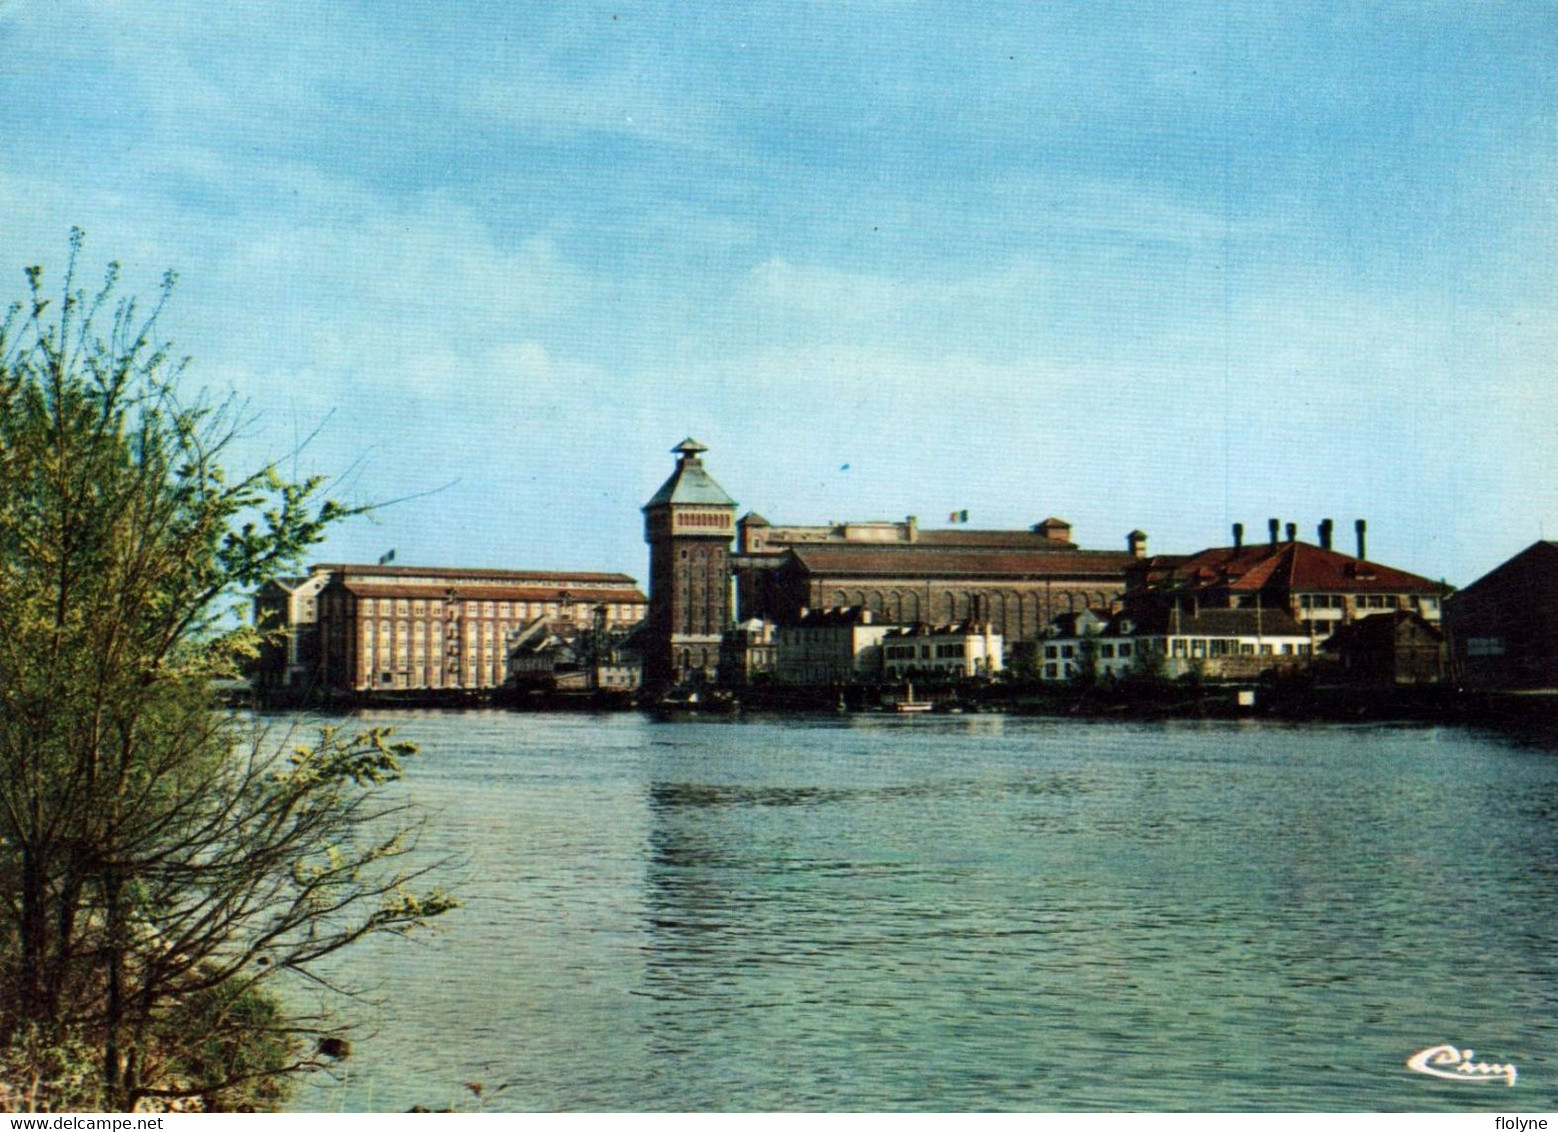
(910, 704)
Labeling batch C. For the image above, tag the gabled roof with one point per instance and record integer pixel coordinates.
(1296, 567)
(945, 629)
(834, 615)
(1540, 559)
(1076, 622)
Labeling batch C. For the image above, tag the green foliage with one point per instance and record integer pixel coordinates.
(245, 1042)
(49, 1071)
(1085, 677)
(161, 862)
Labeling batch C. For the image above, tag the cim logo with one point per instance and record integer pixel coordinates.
(1452, 1064)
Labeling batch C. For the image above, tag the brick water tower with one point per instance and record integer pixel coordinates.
(689, 524)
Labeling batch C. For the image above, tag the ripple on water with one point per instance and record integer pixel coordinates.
(967, 913)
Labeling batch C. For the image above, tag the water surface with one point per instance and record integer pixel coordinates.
(975, 912)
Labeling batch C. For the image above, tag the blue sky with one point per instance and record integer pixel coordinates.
(1156, 266)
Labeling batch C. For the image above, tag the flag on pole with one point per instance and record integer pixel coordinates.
(386, 559)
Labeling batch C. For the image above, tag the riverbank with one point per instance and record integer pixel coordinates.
(1291, 701)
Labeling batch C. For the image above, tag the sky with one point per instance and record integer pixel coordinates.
(1149, 266)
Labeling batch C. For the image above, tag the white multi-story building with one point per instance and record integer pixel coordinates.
(1227, 644)
(829, 646)
(960, 651)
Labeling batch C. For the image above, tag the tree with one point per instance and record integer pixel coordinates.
(161, 863)
(1085, 677)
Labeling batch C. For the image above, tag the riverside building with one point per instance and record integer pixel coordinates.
(1017, 581)
(688, 525)
(1320, 588)
(422, 628)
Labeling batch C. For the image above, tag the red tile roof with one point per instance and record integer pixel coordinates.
(1296, 567)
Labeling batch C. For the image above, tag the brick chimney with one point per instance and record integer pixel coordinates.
(1136, 543)
(1363, 546)
(1238, 536)
(1325, 533)
(1274, 525)
(1292, 532)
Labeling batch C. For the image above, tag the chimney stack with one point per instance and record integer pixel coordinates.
(1136, 544)
(1238, 536)
(1363, 547)
(1325, 534)
(1292, 532)
(1274, 525)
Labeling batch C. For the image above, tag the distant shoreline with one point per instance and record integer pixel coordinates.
(1289, 702)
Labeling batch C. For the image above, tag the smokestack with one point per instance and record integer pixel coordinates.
(1363, 547)
(1275, 525)
(1238, 535)
(1292, 532)
(1325, 534)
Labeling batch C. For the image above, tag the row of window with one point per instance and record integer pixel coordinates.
(1182, 646)
(419, 677)
(703, 519)
(1000, 606)
(1107, 651)
(435, 655)
(953, 651)
(1367, 601)
(404, 607)
(420, 629)
(1222, 646)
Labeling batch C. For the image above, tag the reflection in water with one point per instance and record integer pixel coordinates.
(964, 913)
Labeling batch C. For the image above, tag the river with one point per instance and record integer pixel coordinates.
(965, 912)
